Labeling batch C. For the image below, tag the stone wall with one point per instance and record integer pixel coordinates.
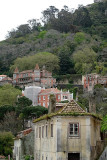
(28, 144)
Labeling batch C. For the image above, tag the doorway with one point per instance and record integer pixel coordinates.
(73, 156)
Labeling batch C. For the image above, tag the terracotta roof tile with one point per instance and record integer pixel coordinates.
(23, 133)
(37, 67)
(16, 70)
(27, 71)
(50, 90)
(7, 78)
(72, 107)
(3, 75)
(2, 157)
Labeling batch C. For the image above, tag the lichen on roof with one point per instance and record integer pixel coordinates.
(70, 109)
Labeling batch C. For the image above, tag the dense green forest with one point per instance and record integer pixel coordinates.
(75, 39)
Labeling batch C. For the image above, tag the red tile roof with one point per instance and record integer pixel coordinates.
(27, 71)
(50, 90)
(37, 67)
(7, 79)
(23, 133)
(3, 75)
(72, 107)
(2, 157)
(16, 70)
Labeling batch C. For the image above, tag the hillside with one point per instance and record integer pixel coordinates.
(64, 34)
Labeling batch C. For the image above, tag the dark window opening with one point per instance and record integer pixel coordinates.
(73, 156)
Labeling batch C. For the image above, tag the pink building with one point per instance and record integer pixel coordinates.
(36, 77)
(90, 80)
(43, 97)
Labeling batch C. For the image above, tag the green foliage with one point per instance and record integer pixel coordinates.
(42, 34)
(98, 86)
(101, 68)
(34, 111)
(104, 124)
(44, 58)
(8, 95)
(74, 91)
(28, 157)
(23, 102)
(84, 60)
(6, 143)
(79, 37)
(4, 109)
(83, 102)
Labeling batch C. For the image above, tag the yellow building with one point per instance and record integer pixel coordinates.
(69, 134)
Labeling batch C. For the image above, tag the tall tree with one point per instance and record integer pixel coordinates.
(50, 60)
(84, 60)
(82, 17)
(8, 95)
(11, 123)
(49, 14)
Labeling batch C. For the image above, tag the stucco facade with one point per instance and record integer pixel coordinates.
(43, 97)
(65, 137)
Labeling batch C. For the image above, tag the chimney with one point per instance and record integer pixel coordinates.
(52, 104)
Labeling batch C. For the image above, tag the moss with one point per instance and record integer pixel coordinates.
(48, 116)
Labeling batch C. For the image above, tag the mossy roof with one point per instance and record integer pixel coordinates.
(70, 109)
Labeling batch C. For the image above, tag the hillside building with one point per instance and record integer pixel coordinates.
(40, 96)
(36, 77)
(69, 134)
(43, 97)
(4, 79)
(90, 80)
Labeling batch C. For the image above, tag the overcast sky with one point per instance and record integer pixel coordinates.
(16, 12)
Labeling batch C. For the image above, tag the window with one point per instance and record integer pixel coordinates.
(46, 131)
(14, 76)
(43, 104)
(39, 98)
(39, 132)
(74, 129)
(58, 96)
(43, 97)
(65, 97)
(51, 130)
(42, 131)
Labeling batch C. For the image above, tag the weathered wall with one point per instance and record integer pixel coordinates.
(58, 146)
(28, 144)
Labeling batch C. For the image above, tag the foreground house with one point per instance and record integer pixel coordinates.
(69, 134)
(37, 77)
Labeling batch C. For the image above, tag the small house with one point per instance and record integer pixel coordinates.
(68, 134)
